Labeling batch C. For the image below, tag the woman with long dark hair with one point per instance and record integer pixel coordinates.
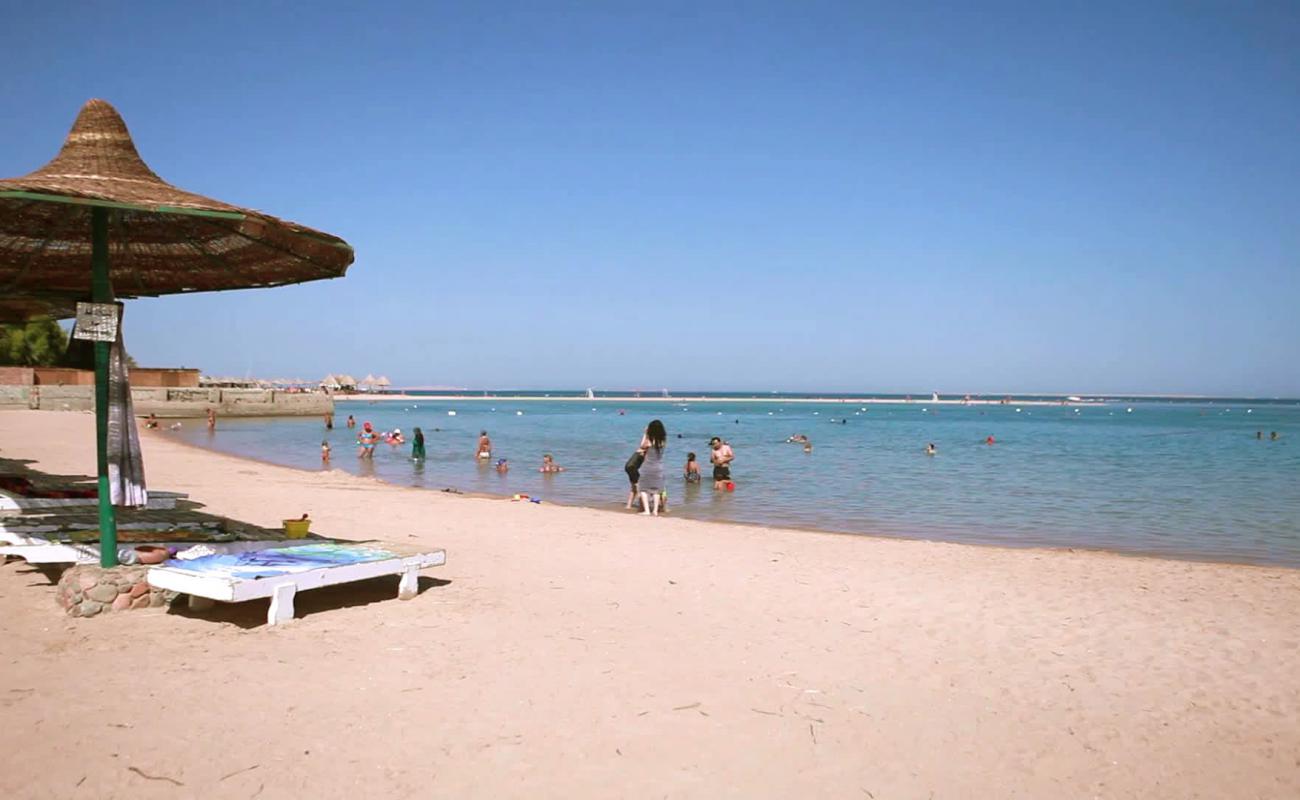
(651, 484)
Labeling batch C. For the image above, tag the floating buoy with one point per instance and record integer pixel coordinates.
(519, 413)
(451, 413)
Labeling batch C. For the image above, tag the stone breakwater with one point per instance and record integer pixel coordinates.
(174, 402)
(87, 590)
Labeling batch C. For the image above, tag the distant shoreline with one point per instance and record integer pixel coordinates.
(704, 399)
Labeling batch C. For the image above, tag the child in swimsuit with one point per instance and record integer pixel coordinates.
(692, 469)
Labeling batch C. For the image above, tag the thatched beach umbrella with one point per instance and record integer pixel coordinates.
(382, 382)
(97, 224)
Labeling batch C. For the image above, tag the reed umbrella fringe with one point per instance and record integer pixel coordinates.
(162, 240)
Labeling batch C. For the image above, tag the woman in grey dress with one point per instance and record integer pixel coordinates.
(651, 483)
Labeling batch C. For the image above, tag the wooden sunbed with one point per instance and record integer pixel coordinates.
(16, 501)
(282, 572)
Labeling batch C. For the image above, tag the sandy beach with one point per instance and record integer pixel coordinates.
(571, 652)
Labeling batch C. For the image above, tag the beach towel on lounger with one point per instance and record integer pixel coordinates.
(283, 560)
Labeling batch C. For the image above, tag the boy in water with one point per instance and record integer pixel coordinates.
(692, 470)
(633, 470)
(324, 452)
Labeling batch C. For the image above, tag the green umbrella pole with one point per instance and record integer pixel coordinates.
(101, 291)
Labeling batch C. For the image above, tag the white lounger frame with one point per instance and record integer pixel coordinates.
(282, 588)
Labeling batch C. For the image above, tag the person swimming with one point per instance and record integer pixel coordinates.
(503, 466)
(990, 440)
(930, 449)
(549, 465)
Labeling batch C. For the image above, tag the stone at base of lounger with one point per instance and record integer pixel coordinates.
(89, 590)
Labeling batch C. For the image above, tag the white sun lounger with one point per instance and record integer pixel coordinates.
(282, 572)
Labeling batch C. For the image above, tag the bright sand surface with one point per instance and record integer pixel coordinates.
(569, 652)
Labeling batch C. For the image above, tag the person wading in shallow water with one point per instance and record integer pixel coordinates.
(651, 485)
(721, 458)
(366, 441)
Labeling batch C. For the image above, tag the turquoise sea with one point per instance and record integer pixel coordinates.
(1186, 479)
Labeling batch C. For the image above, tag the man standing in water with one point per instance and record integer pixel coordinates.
(721, 458)
(484, 449)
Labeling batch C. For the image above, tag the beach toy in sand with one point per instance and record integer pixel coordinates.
(297, 528)
(536, 500)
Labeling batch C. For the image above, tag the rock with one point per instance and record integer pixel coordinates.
(140, 602)
(102, 593)
(89, 608)
(122, 603)
(87, 580)
(157, 600)
(124, 588)
(140, 588)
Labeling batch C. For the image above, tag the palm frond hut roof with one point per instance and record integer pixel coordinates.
(162, 239)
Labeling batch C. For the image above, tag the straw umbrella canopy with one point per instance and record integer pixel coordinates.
(383, 382)
(96, 223)
(161, 239)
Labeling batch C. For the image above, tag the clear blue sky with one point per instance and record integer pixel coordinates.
(841, 196)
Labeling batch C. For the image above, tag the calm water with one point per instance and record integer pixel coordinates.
(1184, 479)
